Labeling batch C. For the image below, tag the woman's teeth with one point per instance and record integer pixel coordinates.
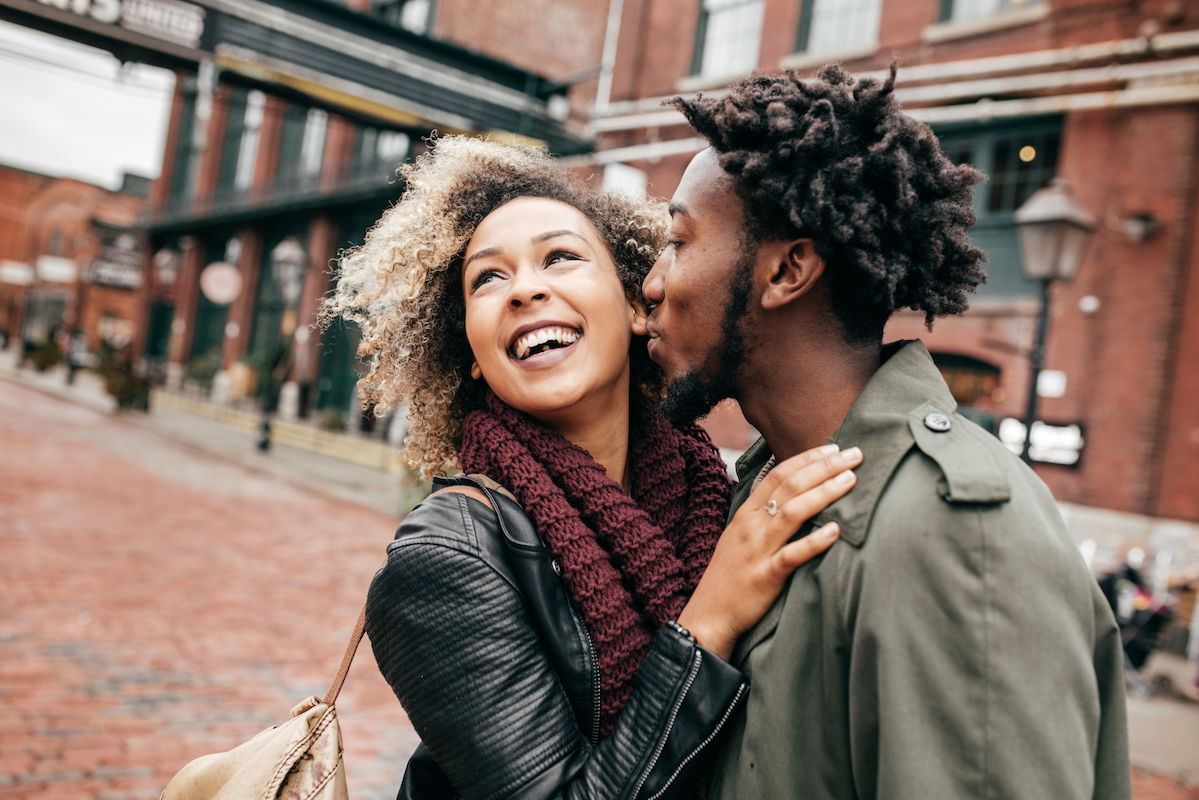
(543, 339)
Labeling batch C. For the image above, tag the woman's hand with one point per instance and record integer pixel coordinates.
(753, 559)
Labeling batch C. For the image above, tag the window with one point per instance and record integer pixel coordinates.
(247, 150)
(969, 10)
(378, 153)
(626, 180)
(1016, 162)
(727, 37)
(301, 147)
(1020, 164)
(312, 148)
(974, 385)
(838, 26)
(183, 172)
(411, 15)
(239, 149)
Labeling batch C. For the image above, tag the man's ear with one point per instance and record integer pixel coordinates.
(640, 314)
(475, 372)
(794, 269)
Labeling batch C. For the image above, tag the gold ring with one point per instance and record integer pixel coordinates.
(771, 507)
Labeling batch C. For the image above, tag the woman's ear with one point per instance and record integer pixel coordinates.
(793, 272)
(639, 316)
(475, 372)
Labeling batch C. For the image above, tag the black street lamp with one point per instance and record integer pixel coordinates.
(289, 265)
(1054, 230)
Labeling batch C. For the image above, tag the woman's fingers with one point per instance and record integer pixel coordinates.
(800, 508)
(794, 464)
(799, 474)
(801, 551)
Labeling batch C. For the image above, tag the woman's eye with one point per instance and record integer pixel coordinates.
(674, 244)
(559, 256)
(484, 277)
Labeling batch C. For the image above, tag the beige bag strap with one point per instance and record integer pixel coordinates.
(347, 659)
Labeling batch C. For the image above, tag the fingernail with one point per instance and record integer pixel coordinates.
(844, 478)
(829, 449)
(851, 453)
(829, 531)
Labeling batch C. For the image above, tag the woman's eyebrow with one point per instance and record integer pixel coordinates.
(541, 237)
(484, 253)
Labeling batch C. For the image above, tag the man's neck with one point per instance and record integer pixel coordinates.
(797, 396)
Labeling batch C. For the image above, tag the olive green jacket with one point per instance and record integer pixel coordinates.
(952, 643)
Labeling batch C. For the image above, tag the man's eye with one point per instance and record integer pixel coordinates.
(560, 255)
(674, 244)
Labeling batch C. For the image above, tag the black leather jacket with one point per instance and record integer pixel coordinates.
(474, 630)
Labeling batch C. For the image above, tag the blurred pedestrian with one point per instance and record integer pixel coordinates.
(78, 354)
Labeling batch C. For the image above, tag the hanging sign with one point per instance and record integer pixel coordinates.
(220, 282)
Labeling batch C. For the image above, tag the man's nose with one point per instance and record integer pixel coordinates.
(654, 285)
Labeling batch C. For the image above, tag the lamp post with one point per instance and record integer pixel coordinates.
(289, 263)
(1053, 230)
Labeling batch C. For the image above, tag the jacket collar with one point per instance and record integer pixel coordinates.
(905, 384)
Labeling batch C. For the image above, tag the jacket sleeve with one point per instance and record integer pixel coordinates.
(452, 637)
(983, 662)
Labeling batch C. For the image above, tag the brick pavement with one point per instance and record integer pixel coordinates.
(158, 605)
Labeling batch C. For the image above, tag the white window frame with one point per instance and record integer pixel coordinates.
(730, 38)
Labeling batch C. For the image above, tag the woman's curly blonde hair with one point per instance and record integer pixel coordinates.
(403, 285)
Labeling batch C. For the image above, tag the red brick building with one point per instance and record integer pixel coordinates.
(1103, 94)
(70, 257)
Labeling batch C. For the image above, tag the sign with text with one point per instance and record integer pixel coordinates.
(1051, 443)
(119, 264)
(171, 20)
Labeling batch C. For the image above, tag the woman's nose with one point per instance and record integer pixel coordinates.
(527, 289)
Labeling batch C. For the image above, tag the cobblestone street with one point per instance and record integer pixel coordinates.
(159, 604)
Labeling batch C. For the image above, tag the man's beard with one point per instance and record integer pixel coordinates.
(694, 394)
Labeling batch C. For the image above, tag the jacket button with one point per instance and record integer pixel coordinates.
(556, 567)
(937, 422)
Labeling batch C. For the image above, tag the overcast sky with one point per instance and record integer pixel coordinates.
(73, 111)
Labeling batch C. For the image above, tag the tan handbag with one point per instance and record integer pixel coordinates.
(298, 760)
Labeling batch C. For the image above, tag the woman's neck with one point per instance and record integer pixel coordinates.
(603, 434)
(606, 438)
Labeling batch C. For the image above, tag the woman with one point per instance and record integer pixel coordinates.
(556, 624)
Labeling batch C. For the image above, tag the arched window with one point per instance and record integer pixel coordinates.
(974, 384)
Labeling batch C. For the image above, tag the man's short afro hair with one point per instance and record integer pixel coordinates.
(835, 160)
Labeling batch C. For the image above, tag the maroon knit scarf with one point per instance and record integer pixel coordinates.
(629, 563)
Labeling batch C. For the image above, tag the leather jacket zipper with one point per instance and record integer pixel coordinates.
(595, 680)
(674, 713)
(728, 712)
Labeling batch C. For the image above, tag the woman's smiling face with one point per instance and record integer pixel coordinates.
(547, 319)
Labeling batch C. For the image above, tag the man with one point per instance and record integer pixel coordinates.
(952, 644)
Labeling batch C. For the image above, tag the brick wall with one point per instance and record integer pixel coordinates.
(558, 39)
